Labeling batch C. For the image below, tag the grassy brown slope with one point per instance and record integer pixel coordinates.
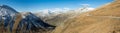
(103, 20)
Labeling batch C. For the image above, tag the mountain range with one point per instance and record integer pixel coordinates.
(57, 17)
(15, 22)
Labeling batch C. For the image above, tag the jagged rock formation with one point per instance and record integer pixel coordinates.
(15, 22)
(8, 15)
(105, 19)
(32, 22)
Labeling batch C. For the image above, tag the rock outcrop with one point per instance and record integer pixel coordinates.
(12, 21)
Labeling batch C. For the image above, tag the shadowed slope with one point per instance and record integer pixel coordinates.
(32, 23)
(12, 21)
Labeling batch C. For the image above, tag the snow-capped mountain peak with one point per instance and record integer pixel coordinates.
(6, 10)
(9, 17)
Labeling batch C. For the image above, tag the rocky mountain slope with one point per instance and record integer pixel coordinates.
(12, 21)
(105, 19)
(8, 15)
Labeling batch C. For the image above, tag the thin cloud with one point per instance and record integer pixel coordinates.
(85, 5)
(55, 10)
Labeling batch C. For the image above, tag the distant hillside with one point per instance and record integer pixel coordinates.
(105, 19)
(58, 17)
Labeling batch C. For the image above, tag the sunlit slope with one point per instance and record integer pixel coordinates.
(112, 9)
(105, 19)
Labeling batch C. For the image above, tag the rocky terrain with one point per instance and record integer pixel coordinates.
(12, 21)
(105, 19)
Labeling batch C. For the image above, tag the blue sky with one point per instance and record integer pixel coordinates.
(36, 5)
